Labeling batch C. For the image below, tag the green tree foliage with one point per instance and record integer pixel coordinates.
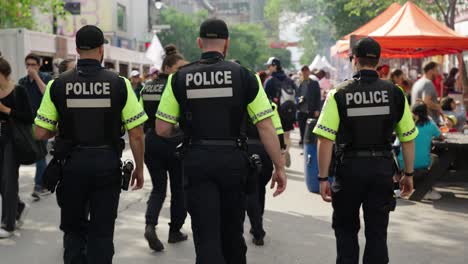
(331, 20)
(271, 12)
(18, 13)
(183, 32)
(249, 42)
(283, 55)
(248, 45)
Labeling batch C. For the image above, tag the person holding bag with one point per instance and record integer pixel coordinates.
(14, 109)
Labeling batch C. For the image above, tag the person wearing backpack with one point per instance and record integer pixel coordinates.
(282, 90)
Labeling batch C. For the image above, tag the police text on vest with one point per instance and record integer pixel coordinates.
(368, 97)
(94, 88)
(208, 78)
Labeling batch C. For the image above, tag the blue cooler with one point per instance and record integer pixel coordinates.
(310, 156)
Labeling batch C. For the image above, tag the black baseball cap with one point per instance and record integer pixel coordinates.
(366, 48)
(89, 37)
(214, 28)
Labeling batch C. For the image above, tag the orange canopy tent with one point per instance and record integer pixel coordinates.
(412, 33)
(342, 46)
(376, 22)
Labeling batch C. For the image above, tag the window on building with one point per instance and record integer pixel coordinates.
(121, 17)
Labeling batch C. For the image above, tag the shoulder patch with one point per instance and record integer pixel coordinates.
(344, 84)
(188, 65)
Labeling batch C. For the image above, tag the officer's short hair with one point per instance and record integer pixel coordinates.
(430, 66)
(369, 62)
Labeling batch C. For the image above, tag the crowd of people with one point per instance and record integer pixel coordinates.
(435, 113)
(293, 99)
(300, 96)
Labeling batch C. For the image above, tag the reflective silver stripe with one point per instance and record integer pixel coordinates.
(89, 103)
(409, 133)
(135, 118)
(209, 93)
(151, 97)
(326, 129)
(262, 114)
(47, 120)
(369, 111)
(166, 116)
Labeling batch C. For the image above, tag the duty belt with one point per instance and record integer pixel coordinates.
(238, 143)
(254, 142)
(367, 154)
(95, 147)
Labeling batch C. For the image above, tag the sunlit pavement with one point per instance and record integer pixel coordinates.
(298, 228)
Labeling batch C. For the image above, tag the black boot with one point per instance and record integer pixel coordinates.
(258, 241)
(177, 236)
(153, 240)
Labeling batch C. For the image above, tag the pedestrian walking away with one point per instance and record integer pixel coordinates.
(161, 158)
(85, 109)
(361, 115)
(282, 90)
(35, 83)
(309, 100)
(211, 99)
(14, 108)
(256, 196)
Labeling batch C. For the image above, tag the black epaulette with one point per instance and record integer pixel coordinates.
(344, 84)
(248, 69)
(189, 64)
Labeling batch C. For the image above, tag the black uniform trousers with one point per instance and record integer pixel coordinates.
(214, 179)
(9, 185)
(256, 200)
(90, 187)
(367, 182)
(160, 159)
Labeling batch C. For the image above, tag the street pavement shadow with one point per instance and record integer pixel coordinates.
(454, 198)
(291, 238)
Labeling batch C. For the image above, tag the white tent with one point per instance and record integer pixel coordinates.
(321, 63)
(155, 52)
(327, 64)
(316, 63)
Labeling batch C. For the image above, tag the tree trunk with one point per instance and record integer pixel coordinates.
(451, 13)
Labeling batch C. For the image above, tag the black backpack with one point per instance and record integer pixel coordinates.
(287, 100)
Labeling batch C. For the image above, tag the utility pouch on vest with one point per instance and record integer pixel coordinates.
(53, 174)
(127, 169)
(180, 151)
(255, 169)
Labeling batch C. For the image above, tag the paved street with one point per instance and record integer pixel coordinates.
(298, 224)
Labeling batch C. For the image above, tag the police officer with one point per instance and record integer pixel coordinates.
(360, 115)
(212, 98)
(160, 159)
(256, 199)
(90, 105)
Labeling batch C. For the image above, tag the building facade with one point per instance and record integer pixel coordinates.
(124, 22)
